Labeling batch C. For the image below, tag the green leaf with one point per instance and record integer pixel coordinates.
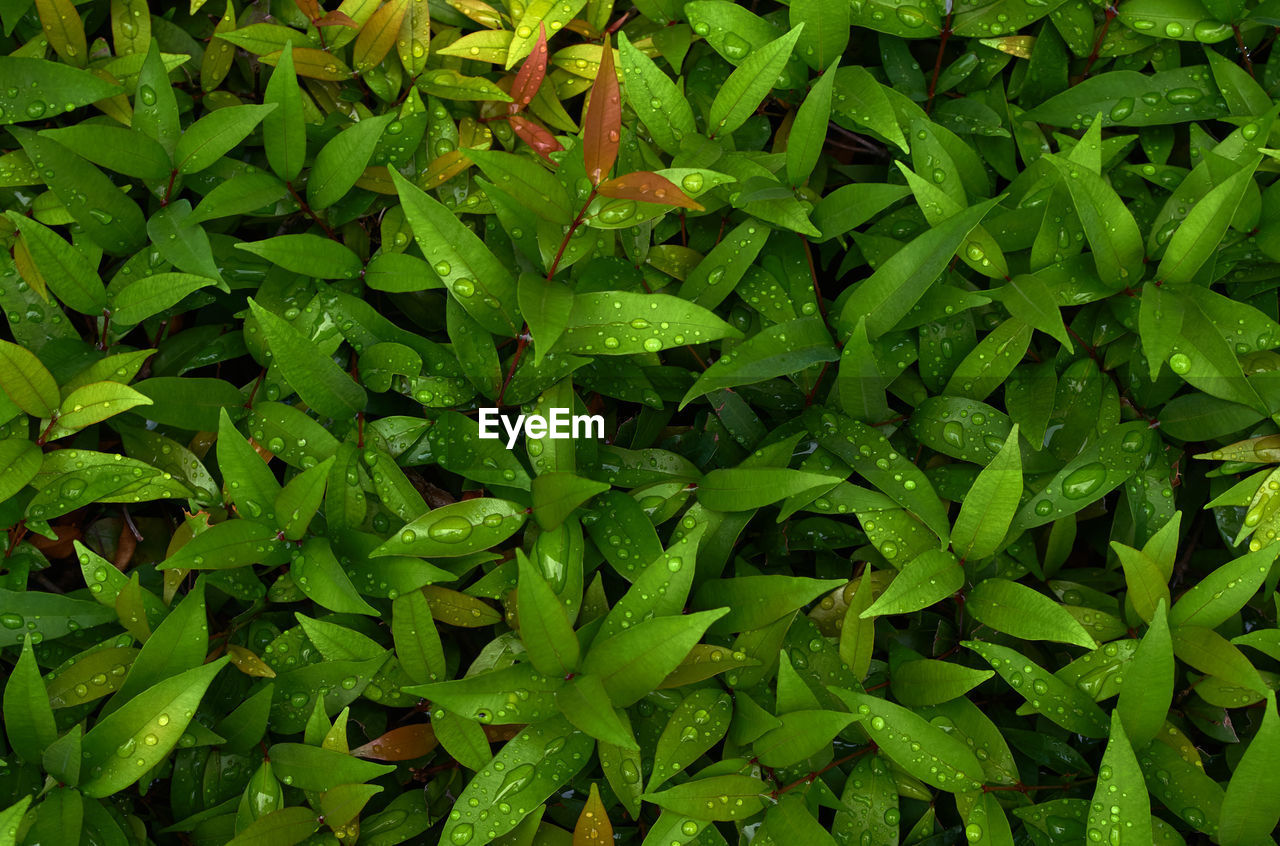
(662, 587)
(1018, 610)
(715, 277)
(1223, 592)
(861, 100)
(283, 130)
(49, 87)
(28, 719)
(920, 748)
(990, 504)
(1249, 809)
(180, 643)
(298, 502)
(51, 615)
(1057, 700)
(751, 602)
(10, 817)
(809, 129)
(1211, 653)
(989, 364)
(714, 798)
(317, 379)
(316, 571)
(1092, 474)
(248, 192)
(982, 252)
(486, 697)
(1159, 325)
(312, 768)
(1200, 234)
(557, 495)
(624, 323)
(750, 83)
(115, 148)
(147, 728)
(155, 105)
(870, 800)
(21, 458)
(1129, 98)
(778, 350)
(925, 580)
(529, 182)
(340, 162)
(585, 703)
(749, 488)
(875, 459)
(528, 769)
(70, 276)
(889, 294)
(671, 119)
(457, 445)
(1120, 808)
(309, 255)
(1146, 582)
(544, 626)
(802, 734)
(457, 529)
(235, 543)
(545, 305)
(930, 682)
(26, 381)
(484, 287)
(278, 828)
(151, 295)
(1147, 690)
(1108, 224)
(697, 724)
(633, 662)
(214, 135)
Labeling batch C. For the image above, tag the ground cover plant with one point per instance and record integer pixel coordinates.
(934, 347)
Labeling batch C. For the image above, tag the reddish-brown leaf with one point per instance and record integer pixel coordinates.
(535, 135)
(594, 827)
(647, 187)
(401, 744)
(310, 8)
(336, 18)
(530, 76)
(602, 125)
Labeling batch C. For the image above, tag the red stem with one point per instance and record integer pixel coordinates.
(937, 64)
(551, 272)
(1102, 33)
(311, 212)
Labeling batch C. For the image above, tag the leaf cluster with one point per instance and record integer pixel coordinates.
(933, 344)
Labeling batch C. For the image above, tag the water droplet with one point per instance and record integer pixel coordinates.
(1122, 109)
(1084, 480)
(452, 529)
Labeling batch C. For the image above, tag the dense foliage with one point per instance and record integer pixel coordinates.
(935, 346)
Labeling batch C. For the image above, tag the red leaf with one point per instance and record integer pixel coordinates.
(532, 72)
(310, 8)
(535, 135)
(401, 744)
(336, 18)
(647, 187)
(602, 125)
